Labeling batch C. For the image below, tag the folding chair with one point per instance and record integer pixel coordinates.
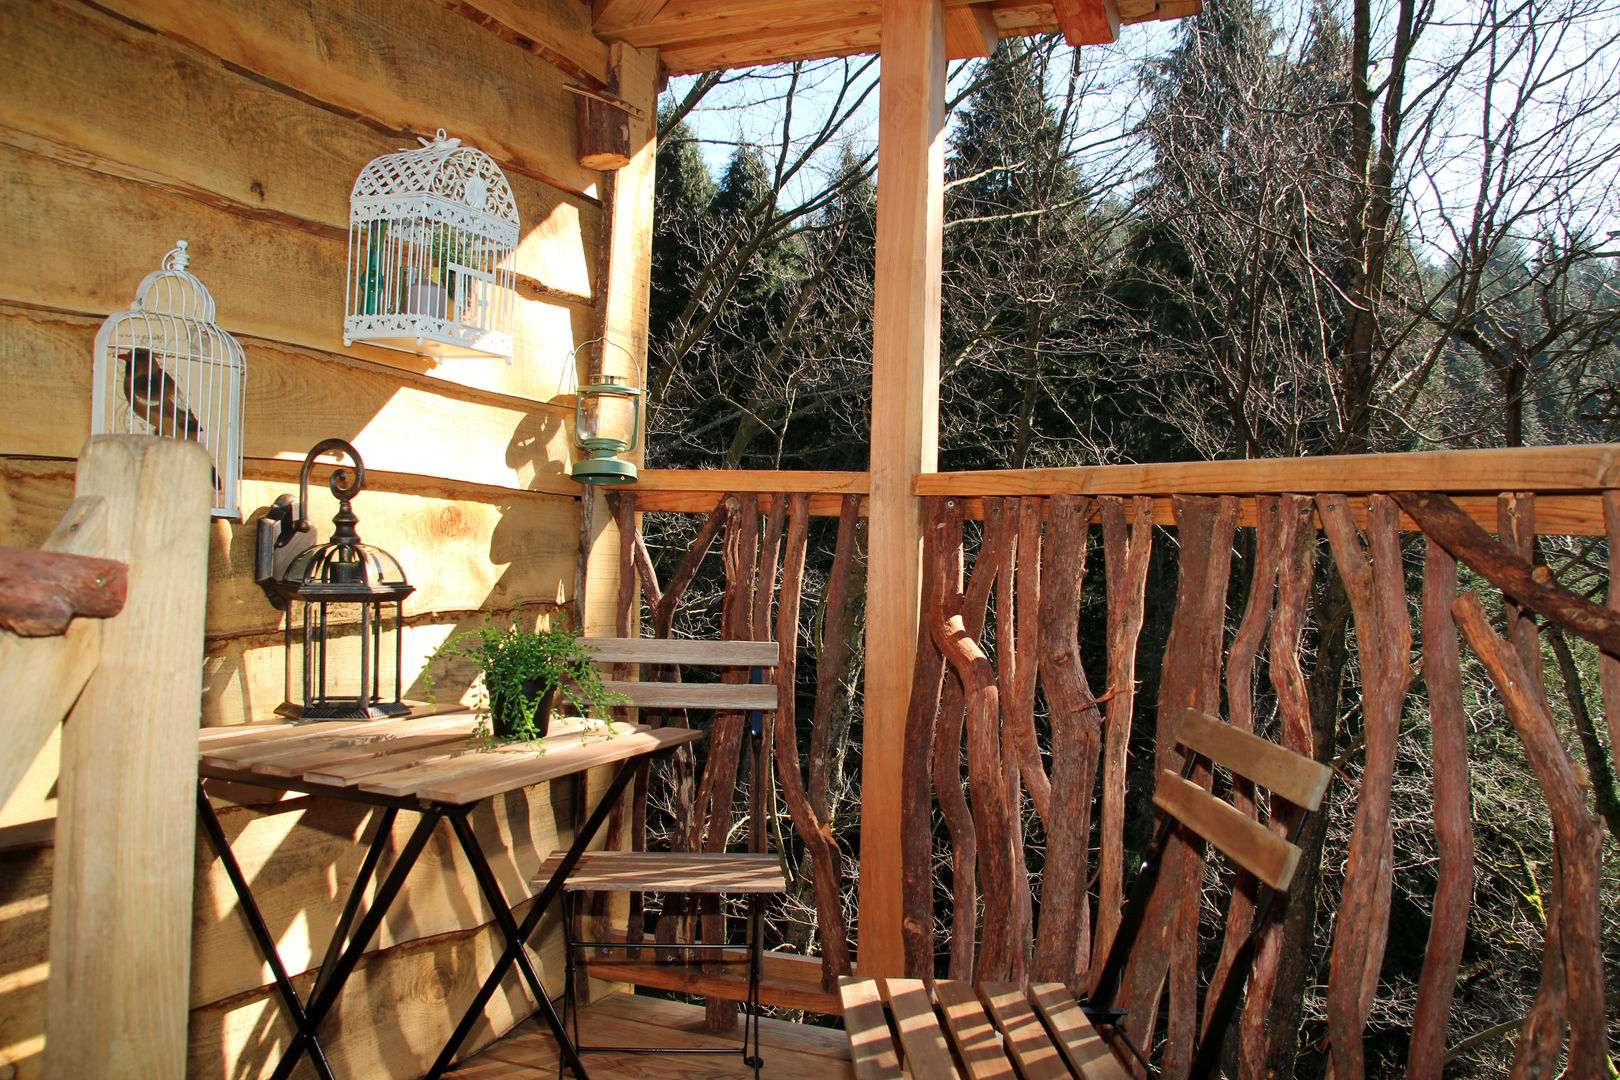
(754, 874)
(1201, 817)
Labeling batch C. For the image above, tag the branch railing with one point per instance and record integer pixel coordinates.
(1014, 778)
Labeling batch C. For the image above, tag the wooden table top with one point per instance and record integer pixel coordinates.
(427, 758)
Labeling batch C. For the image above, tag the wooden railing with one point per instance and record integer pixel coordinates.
(104, 630)
(1004, 718)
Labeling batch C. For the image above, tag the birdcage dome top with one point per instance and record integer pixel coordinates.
(173, 290)
(448, 176)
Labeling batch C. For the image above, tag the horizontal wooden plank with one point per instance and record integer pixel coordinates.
(702, 502)
(558, 31)
(871, 1043)
(774, 990)
(1556, 515)
(684, 651)
(725, 696)
(269, 281)
(295, 397)
(90, 89)
(791, 1051)
(667, 871)
(1539, 469)
(1085, 1050)
(730, 481)
(409, 68)
(1245, 841)
(1296, 778)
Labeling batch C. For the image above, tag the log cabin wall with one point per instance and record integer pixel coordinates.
(240, 126)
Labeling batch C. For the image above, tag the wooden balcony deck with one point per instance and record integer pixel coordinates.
(791, 1051)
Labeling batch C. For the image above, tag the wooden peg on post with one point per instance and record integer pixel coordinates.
(120, 943)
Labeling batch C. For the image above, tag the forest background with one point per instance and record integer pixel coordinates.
(1369, 226)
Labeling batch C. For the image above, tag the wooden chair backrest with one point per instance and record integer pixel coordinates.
(1281, 771)
(758, 656)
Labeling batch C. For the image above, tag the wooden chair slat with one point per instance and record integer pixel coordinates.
(969, 1027)
(1086, 1051)
(1296, 778)
(680, 651)
(1245, 841)
(659, 871)
(1027, 1041)
(871, 1043)
(921, 1040)
(727, 697)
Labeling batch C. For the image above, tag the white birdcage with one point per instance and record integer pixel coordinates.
(164, 368)
(431, 237)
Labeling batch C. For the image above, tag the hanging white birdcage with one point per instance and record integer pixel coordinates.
(432, 232)
(164, 368)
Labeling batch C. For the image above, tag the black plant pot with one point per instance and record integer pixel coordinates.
(505, 715)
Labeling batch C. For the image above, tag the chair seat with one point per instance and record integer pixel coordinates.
(666, 871)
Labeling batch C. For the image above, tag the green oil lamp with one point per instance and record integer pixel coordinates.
(607, 424)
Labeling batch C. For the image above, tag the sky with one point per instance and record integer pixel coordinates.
(1585, 54)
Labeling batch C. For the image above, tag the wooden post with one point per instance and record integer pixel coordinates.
(622, 288)
(905, 438)
(120, 942)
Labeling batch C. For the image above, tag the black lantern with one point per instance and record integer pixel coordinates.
(347, 591)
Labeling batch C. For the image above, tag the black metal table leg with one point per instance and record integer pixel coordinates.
(351, 907)
(321, 1003)
(261, 931)
(515, 942)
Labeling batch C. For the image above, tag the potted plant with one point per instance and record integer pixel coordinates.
(524, 671)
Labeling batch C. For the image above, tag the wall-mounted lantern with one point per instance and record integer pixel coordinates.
(344, 599)
(607, 424)
(432, 234)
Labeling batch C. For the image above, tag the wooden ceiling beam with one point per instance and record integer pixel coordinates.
(610, 16)
(971, 31)
(1088, 22)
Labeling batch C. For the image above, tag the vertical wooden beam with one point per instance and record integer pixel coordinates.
(120, 941)
(905, 437)
(623, 290)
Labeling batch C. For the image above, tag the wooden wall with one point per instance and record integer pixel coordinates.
(240, 125)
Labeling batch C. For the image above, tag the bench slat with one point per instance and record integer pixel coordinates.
(1027, 1041)
(921, 1040)
(681, 651)
(871, 1044)
(970, 1028)
(1245, 841)
(733, 697)
(664, 871)
(1088, 1055)
(1278, 769)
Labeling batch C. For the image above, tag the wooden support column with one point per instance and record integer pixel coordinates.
(905, 438)
(623, 287)
(120, 938)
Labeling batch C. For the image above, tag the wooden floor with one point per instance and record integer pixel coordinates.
(791, 1051)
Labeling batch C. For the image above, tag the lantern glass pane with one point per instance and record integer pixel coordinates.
(610, 417)
(334, 670)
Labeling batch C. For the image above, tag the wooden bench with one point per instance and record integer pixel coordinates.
(994, 1031)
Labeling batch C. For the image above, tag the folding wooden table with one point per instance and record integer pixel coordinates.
(424, 765)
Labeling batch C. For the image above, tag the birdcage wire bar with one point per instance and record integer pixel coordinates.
(165, 368)
(432, 237)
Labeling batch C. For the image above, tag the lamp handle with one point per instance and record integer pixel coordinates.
(339, 483)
